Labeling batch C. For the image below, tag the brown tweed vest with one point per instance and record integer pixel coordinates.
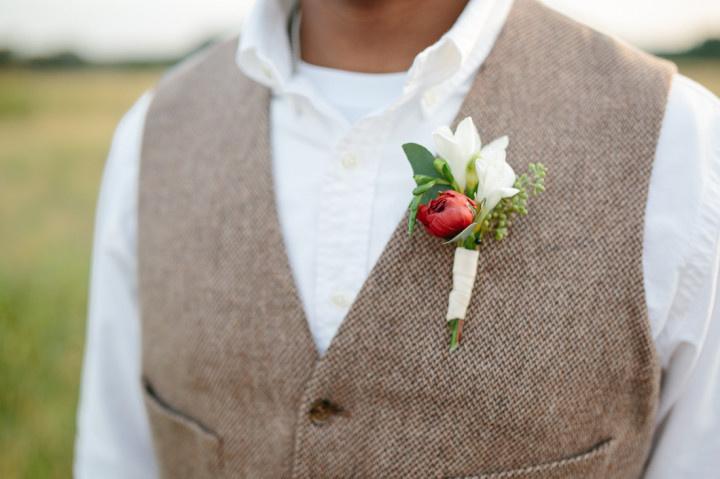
(557, 375)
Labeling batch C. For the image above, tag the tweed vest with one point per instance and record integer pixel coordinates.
(557, 375)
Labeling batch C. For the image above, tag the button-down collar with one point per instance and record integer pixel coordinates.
(265, 54)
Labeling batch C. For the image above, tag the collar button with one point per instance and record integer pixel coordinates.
(267, 72)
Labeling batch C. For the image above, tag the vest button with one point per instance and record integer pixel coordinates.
(322, 410)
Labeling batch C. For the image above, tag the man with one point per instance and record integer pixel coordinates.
(250, 242)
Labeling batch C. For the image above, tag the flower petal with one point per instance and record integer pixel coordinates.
(482, 167)
(508, 192)
(493, 155)
(498, 144)
(495, 176)
(445, 145)
(468, 138)
(445, 132)
(491, 202)
(448, 149)
(505, 175)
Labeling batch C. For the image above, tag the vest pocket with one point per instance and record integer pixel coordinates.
(588, 464)
(184, 447)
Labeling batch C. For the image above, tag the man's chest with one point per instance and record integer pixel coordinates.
(341, 190)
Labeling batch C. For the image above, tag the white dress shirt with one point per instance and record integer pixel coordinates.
(342, 184)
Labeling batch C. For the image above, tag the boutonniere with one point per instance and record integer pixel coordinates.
(466, 194)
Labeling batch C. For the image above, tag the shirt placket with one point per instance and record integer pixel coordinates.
(344, 222)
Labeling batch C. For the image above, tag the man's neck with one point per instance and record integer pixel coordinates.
(373, 36)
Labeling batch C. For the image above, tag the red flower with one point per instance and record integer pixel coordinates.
(448, 214)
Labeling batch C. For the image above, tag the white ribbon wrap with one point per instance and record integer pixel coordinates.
(464, 271)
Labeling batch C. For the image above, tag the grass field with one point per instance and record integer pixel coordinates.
(55, 129)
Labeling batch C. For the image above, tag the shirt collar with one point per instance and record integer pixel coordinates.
(455, 48)
(264, 52)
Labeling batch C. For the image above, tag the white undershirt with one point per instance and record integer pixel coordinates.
(333, 133)
(353, 94)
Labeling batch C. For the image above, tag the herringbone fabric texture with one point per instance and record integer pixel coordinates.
(556, 376)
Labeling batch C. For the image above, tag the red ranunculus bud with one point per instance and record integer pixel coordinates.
(448, 214)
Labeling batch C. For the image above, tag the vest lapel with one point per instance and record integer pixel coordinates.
(254, 172)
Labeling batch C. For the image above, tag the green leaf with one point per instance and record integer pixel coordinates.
(442, 167)
(470, 242)
(422, 179)
(471, 179)
(421, 160)
(433, 192)
(414, 204)
(463, 234)
(420, 189)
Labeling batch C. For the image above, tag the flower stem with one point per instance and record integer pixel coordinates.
(455, 333)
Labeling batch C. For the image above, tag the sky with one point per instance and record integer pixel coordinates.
(129, 29)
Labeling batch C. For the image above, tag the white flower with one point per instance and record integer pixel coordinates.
(495, 177)
(458, 149)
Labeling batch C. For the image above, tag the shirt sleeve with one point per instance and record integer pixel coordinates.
(113, 434)
(681, 257)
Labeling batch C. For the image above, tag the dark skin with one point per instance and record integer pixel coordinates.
(372, 36)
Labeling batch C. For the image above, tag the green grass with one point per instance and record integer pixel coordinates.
(55, 129)
(704, 71)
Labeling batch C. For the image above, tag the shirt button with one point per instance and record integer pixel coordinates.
(340, 300)
(349, 161)
(429, 99)
(322, 411)
(267, 72)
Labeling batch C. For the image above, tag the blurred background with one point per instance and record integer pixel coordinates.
(68, 71)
